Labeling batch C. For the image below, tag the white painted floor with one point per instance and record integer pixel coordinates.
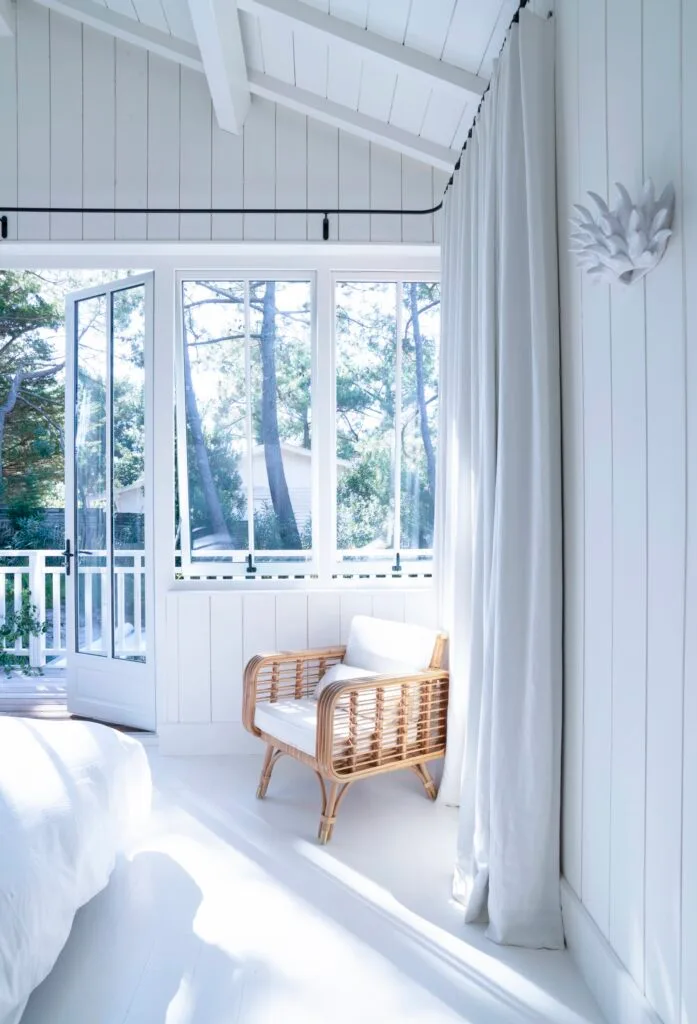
(230, 912)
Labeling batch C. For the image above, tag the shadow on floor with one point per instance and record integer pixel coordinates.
(376, 879)
(189, 980)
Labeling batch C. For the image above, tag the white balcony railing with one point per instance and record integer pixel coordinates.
(40, 576)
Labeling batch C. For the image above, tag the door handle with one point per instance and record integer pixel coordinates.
(67, 555)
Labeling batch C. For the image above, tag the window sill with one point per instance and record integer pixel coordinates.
(307, 585)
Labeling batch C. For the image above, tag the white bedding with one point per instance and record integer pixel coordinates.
(72, 796)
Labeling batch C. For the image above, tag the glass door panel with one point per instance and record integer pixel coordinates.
(91, 484)
(107, 497)
(128, 460)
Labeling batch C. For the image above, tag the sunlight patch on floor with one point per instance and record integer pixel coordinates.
(228, 912)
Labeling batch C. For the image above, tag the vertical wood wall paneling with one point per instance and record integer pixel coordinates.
(8, 126)
(98, 131)
(598, 489)
(440, 180)
(665, 371)
(123, 128)
(566, 24)
(354, 187)
(688, 990)
(420, 608)
(195, 165)
(227, 182)
(131, 139)
(260, 169)
(417, 194)
(66, 164)
(33, 119)
(625, 159)
(212, 636)
(259, 625)
(385, 193)
(227, 664)
(322, 176)
(194, 661)
(164, 143)
(291, 621)
(353, 603)
(291, 173)
(389, 604)
(323, 620)
(171, 711)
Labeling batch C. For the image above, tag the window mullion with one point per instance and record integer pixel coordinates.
(324, 429)
(248, 389)
(398, 422)
(182, 453)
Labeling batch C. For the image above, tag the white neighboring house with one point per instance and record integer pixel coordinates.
(297, 463)
(131, 498)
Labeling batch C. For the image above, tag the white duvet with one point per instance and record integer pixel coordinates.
(72, 796)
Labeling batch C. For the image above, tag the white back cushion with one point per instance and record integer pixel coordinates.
(339, 673)
(384, 646)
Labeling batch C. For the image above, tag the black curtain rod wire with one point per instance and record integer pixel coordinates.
(323, 211)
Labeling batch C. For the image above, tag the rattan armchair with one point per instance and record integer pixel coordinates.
(355, 729)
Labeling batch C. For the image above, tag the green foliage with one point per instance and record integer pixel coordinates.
(31, 530)
(19, 625)
(32, 354)
(366, 403)
(228, 483)
(267, 536)
(31, 455)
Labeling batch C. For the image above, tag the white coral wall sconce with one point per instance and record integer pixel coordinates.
(625, 243)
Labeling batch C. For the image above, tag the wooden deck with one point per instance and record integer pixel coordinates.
(43, 695)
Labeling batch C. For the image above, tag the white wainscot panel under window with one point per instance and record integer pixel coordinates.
(212, 634)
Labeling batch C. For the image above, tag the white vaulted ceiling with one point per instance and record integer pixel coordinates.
(410, 77)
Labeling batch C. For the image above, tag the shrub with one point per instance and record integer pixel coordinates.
(19, 625)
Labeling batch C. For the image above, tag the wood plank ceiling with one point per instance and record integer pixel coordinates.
(461, 34)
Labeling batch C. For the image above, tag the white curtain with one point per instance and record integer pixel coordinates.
(498, 517)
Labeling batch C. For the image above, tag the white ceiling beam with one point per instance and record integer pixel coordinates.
(7, 18)
(403, 58)
(128, 29)
(352, 121)
(308, 103)
(217, 27)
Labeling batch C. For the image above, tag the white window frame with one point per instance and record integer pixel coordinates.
(233, 567)
(166, 259)
(382, 566)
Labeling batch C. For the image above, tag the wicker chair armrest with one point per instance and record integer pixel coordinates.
(364, 725)
(283, 675)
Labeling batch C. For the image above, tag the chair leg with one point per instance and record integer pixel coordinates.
(270, 758)
(428, 783)
(330, 806)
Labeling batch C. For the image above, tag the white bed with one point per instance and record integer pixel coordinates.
(73, 795)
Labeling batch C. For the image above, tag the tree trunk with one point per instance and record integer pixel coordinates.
(210, 491)
(421, 390)
(280, 498)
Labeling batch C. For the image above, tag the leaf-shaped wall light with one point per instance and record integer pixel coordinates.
(625, 243)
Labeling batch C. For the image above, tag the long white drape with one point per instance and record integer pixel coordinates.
(498, 516)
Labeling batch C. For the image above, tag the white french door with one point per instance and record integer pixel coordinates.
(108, 528)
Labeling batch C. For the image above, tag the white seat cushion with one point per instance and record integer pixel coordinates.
(295, 722)
(384, 646)
(291, 721)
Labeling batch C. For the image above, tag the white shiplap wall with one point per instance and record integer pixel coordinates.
(212, 634)
(627, 90)
(86, 119)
